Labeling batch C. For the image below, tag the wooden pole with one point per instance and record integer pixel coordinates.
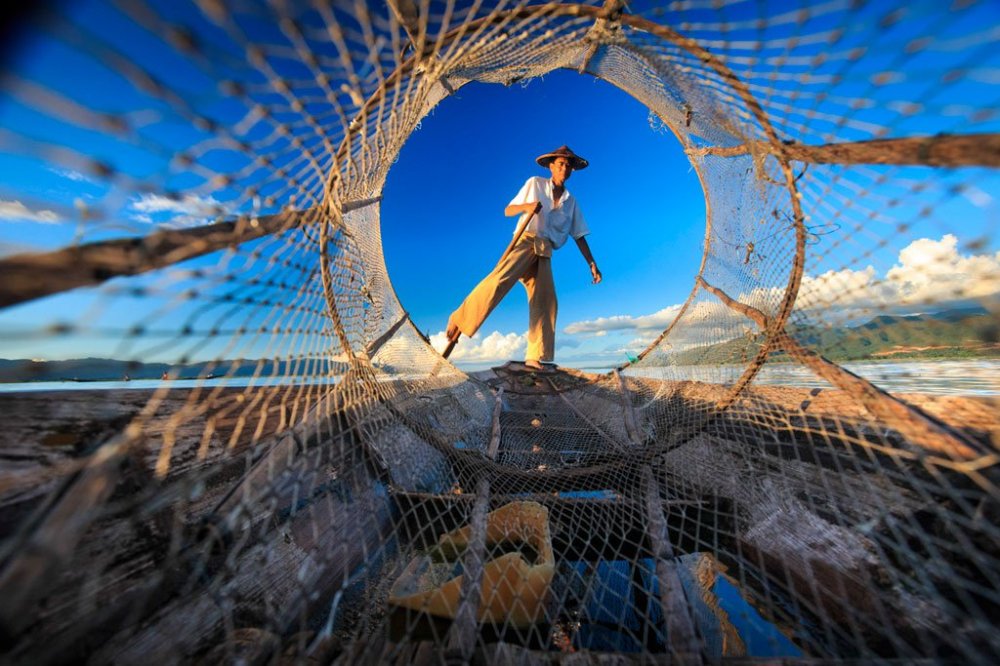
(942, 150)
(408, 15)
(915, 425)
(31, 276)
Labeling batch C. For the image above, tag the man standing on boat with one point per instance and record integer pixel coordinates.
(548, 216)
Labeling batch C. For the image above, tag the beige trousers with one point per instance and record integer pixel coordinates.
(535, 273)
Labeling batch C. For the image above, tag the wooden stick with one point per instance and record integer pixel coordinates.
(618, 446)
(409, 17)
(450, 348)
(31, 276)
(912, 422)
(377, 343)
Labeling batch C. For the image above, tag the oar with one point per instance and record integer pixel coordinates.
(517, 237)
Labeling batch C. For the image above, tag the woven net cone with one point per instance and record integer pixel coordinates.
(271, 510)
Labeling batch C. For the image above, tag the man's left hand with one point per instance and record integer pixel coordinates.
(595, 272)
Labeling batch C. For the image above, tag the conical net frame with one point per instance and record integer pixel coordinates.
(272, 513)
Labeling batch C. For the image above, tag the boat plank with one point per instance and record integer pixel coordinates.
(464, 631)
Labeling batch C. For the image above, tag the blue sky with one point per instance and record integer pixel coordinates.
(442, 214)
(442, 222)
(443, 226)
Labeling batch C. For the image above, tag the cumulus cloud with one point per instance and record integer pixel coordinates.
(186, 211)
(927, 272)
(931, 271)
(496, 346)
(18, 212)
(70, 174)
(600, 326)
(639, 342)
(842, 295)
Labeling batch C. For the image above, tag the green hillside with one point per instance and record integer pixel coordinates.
(962, 333)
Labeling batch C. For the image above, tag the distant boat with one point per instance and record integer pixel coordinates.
(126, 378)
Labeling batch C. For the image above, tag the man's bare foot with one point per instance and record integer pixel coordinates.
(538, 366)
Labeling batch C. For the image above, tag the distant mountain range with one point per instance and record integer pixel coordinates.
(957, 333)
(103, 369)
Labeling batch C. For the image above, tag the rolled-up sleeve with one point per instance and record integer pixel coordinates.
(578, 227)
(527, 194)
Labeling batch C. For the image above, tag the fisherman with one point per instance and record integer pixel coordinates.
(551, 215)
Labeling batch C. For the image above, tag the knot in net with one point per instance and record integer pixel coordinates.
(194, 189)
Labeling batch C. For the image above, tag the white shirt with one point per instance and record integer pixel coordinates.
(557, 221)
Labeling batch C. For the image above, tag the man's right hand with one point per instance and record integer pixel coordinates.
(522, 209)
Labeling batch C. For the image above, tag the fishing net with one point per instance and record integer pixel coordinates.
(312, 482)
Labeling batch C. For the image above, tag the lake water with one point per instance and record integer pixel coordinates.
(980, 377)
(940, 377)
(150, 384)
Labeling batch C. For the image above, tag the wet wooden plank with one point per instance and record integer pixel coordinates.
(628, 411)
(518, 378)
(290, 575)
(494, 446)
(683, 643)
(507, 654)
(464, 631)
(97, 452)
(615, 444)
(118, 573)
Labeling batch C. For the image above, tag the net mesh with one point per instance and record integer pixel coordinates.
(313, 482)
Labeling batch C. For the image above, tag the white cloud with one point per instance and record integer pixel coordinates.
(600, 326)
(933, 271)
(186, 211)
(927, 272)
(705, 319)
(640, 342)
(843, 295)
(496, 346)
(70, 174)
(17, 211)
